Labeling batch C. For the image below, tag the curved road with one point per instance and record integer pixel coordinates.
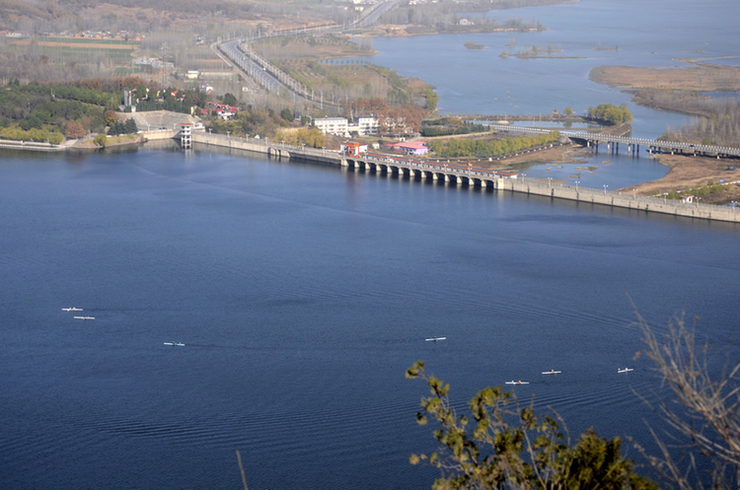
(272, 78)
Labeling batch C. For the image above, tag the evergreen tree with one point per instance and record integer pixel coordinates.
(130, 126)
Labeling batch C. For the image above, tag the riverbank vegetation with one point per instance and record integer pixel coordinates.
(39, 111)
(695, 172)
(698, 191)
(446, 17)
(698, 76)
(459, 147)
(686, 91)
(447, 126)
(42, 112)
(610, 114)
(717, 122)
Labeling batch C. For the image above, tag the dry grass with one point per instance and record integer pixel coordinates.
(689, 172)
(702, 77)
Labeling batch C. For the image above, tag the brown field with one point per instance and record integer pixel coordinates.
(688, 172)
(699, 76)
(78, 45)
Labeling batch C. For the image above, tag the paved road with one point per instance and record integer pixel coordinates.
(272, 78)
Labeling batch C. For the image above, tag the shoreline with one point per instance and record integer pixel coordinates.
(68, 145)
(687, 172)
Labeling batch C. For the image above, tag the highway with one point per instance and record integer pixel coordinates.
(267, 75)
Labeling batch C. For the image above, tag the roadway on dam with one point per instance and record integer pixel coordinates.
(411, 169)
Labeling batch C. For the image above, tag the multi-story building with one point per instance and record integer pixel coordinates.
(365, 125)
(332, 125)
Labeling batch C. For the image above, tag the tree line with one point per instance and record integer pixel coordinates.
(43, 112)
(716, 121)
(610, 114)
(455, 147)
(450, 126)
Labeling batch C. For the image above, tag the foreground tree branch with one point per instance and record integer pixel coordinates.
(705, 420)
(504, 446)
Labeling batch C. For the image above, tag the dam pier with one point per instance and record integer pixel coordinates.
(475, 179)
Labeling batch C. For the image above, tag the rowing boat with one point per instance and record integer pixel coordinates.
(72, 309)
(517, 382)
(551, 372)
(84, 318)
(175, 344)
(435, 339)
(625, 370)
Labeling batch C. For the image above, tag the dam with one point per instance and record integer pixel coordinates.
(475, 179)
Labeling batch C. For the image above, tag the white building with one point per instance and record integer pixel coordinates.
(364, 126)
(332, 125)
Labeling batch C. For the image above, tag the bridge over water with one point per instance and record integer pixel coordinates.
(633, 144)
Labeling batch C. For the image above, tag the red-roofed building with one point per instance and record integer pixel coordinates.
(411, 148)
(353, 149)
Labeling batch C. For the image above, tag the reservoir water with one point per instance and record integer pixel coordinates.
(302, 293)
(655, 34)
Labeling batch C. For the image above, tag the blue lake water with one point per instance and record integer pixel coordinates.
(656, 34)
(302, 294)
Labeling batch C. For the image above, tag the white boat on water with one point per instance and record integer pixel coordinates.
(175, 344)
(517, 382)
(72, 309)
(435, 339)
(84, 318)
(625, 370)
(551, 372)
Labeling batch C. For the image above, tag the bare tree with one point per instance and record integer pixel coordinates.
(703, 417)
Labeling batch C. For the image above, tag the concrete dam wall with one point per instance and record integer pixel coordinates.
(492, 181)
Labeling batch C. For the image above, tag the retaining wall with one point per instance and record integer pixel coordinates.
(623, 200)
